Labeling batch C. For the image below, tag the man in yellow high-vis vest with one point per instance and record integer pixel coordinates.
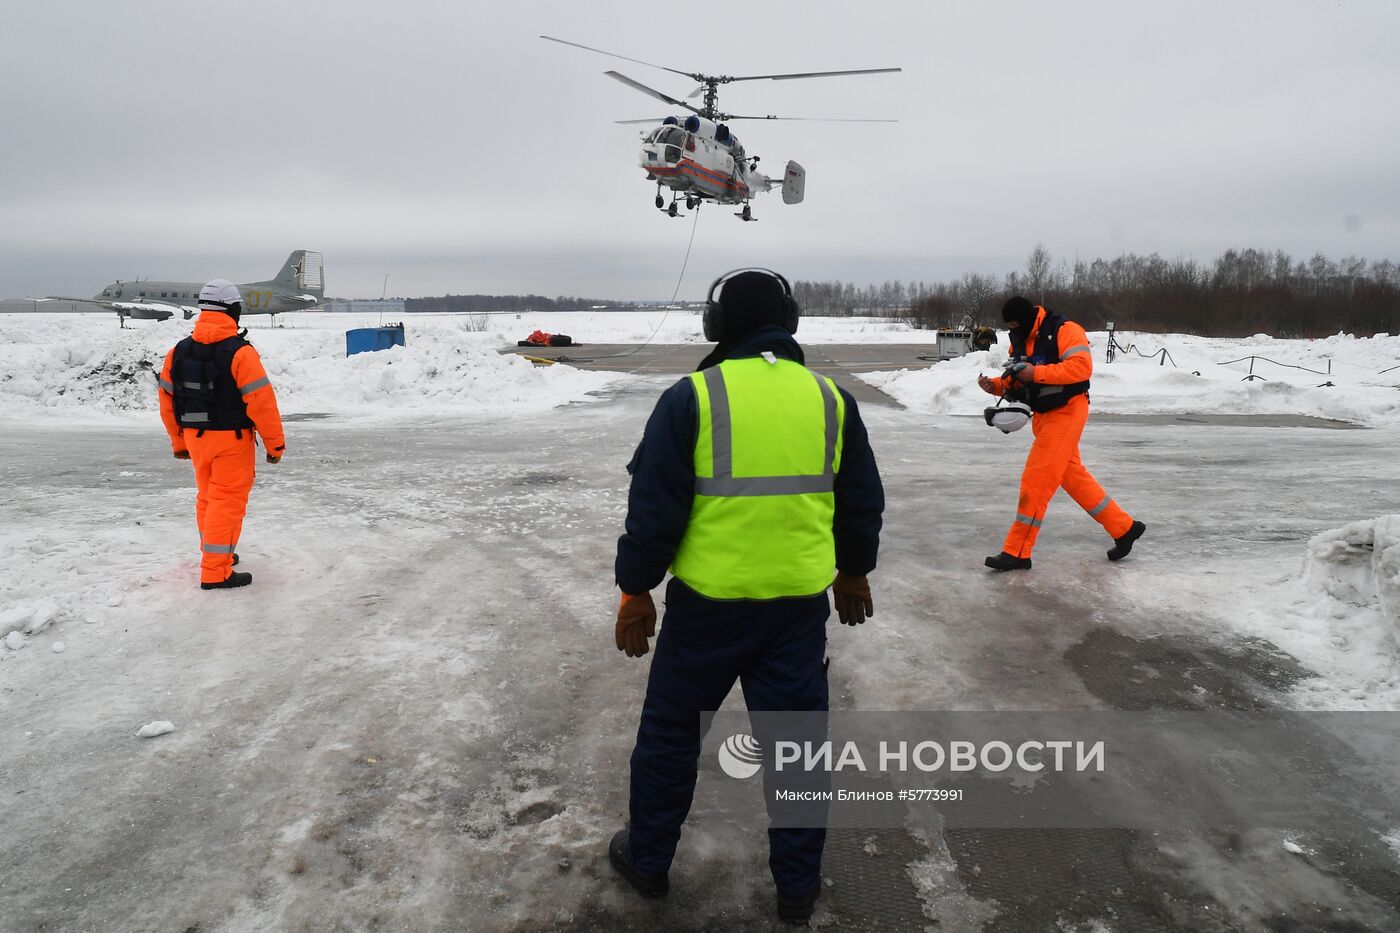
(756, 486)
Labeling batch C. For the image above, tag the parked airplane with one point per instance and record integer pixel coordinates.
(300, 286)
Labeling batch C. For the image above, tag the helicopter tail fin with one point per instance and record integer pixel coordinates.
(794, 183)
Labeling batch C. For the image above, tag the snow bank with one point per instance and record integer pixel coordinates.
(1198, 383)
(86, 365)
(1339, 615)
(1358, 567)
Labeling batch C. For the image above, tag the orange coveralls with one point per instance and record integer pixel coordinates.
(1053, 462)
(223, 461)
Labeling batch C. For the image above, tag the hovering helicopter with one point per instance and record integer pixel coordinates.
(698, 158)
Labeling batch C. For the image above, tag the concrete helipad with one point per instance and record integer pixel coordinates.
(416, 718)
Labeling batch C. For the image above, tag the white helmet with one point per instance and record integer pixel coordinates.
(1006, 420)
(219, 295)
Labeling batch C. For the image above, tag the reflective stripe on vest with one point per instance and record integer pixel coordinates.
(766, 456)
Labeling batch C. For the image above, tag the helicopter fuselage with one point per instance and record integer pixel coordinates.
(700, 158)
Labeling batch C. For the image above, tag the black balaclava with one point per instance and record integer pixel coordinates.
(234, 310)
(1018, 313)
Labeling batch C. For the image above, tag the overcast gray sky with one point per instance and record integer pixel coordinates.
(447, 145)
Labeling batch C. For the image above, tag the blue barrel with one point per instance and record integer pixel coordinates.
(365, 339)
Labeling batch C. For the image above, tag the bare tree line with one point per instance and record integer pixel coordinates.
(1241, 292)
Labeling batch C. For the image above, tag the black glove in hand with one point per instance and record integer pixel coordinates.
(852, 598)
(182, 455)
(636, 622)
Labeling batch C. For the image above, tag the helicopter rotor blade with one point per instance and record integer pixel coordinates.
(696, 93)
(649, 91)
(590, 48)
(731, 116)
(817, 74)
(648, 120)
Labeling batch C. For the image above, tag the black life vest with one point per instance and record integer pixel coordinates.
(1043, 398)
(206, 394)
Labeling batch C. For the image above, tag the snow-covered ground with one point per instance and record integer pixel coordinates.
(416, 719)
(84, 364)
(67, 366)
(1197, 383)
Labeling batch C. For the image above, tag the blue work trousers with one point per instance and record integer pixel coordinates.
(776, 650)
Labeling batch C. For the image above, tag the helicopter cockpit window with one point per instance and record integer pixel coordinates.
(671, 137)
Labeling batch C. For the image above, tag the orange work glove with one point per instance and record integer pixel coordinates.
(636, 622)
(852, 598)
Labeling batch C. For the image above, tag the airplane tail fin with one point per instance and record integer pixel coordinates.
(303, 271)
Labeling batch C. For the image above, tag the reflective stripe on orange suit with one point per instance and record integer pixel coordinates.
(1053, 462)
(223, 471)
(224, 462)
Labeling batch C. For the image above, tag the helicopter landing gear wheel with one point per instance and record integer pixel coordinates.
(672, 210)
(660, 202)
(746, 213)
(691, 203)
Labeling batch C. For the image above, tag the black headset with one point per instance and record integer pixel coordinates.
(716, 321)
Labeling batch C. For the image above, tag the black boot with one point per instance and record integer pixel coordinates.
(1004, 561)
(647, 885)
(796, 912)
(234, 579)
(1124, 543)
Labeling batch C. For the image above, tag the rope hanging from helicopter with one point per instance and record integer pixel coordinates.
(694, 225)
(680, 279)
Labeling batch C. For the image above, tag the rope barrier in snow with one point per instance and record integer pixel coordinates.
(1264, 359)
(1115, 346)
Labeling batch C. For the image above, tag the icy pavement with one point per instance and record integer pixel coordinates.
(415, 719)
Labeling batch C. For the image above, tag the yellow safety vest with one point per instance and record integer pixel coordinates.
(766, 457)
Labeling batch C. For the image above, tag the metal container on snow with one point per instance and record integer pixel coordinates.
(365, 339)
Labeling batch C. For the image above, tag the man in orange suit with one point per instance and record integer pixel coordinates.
(1049, 371)
(214, 393)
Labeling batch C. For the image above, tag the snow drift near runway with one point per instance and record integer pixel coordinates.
(1197, 383)
(84, 364)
